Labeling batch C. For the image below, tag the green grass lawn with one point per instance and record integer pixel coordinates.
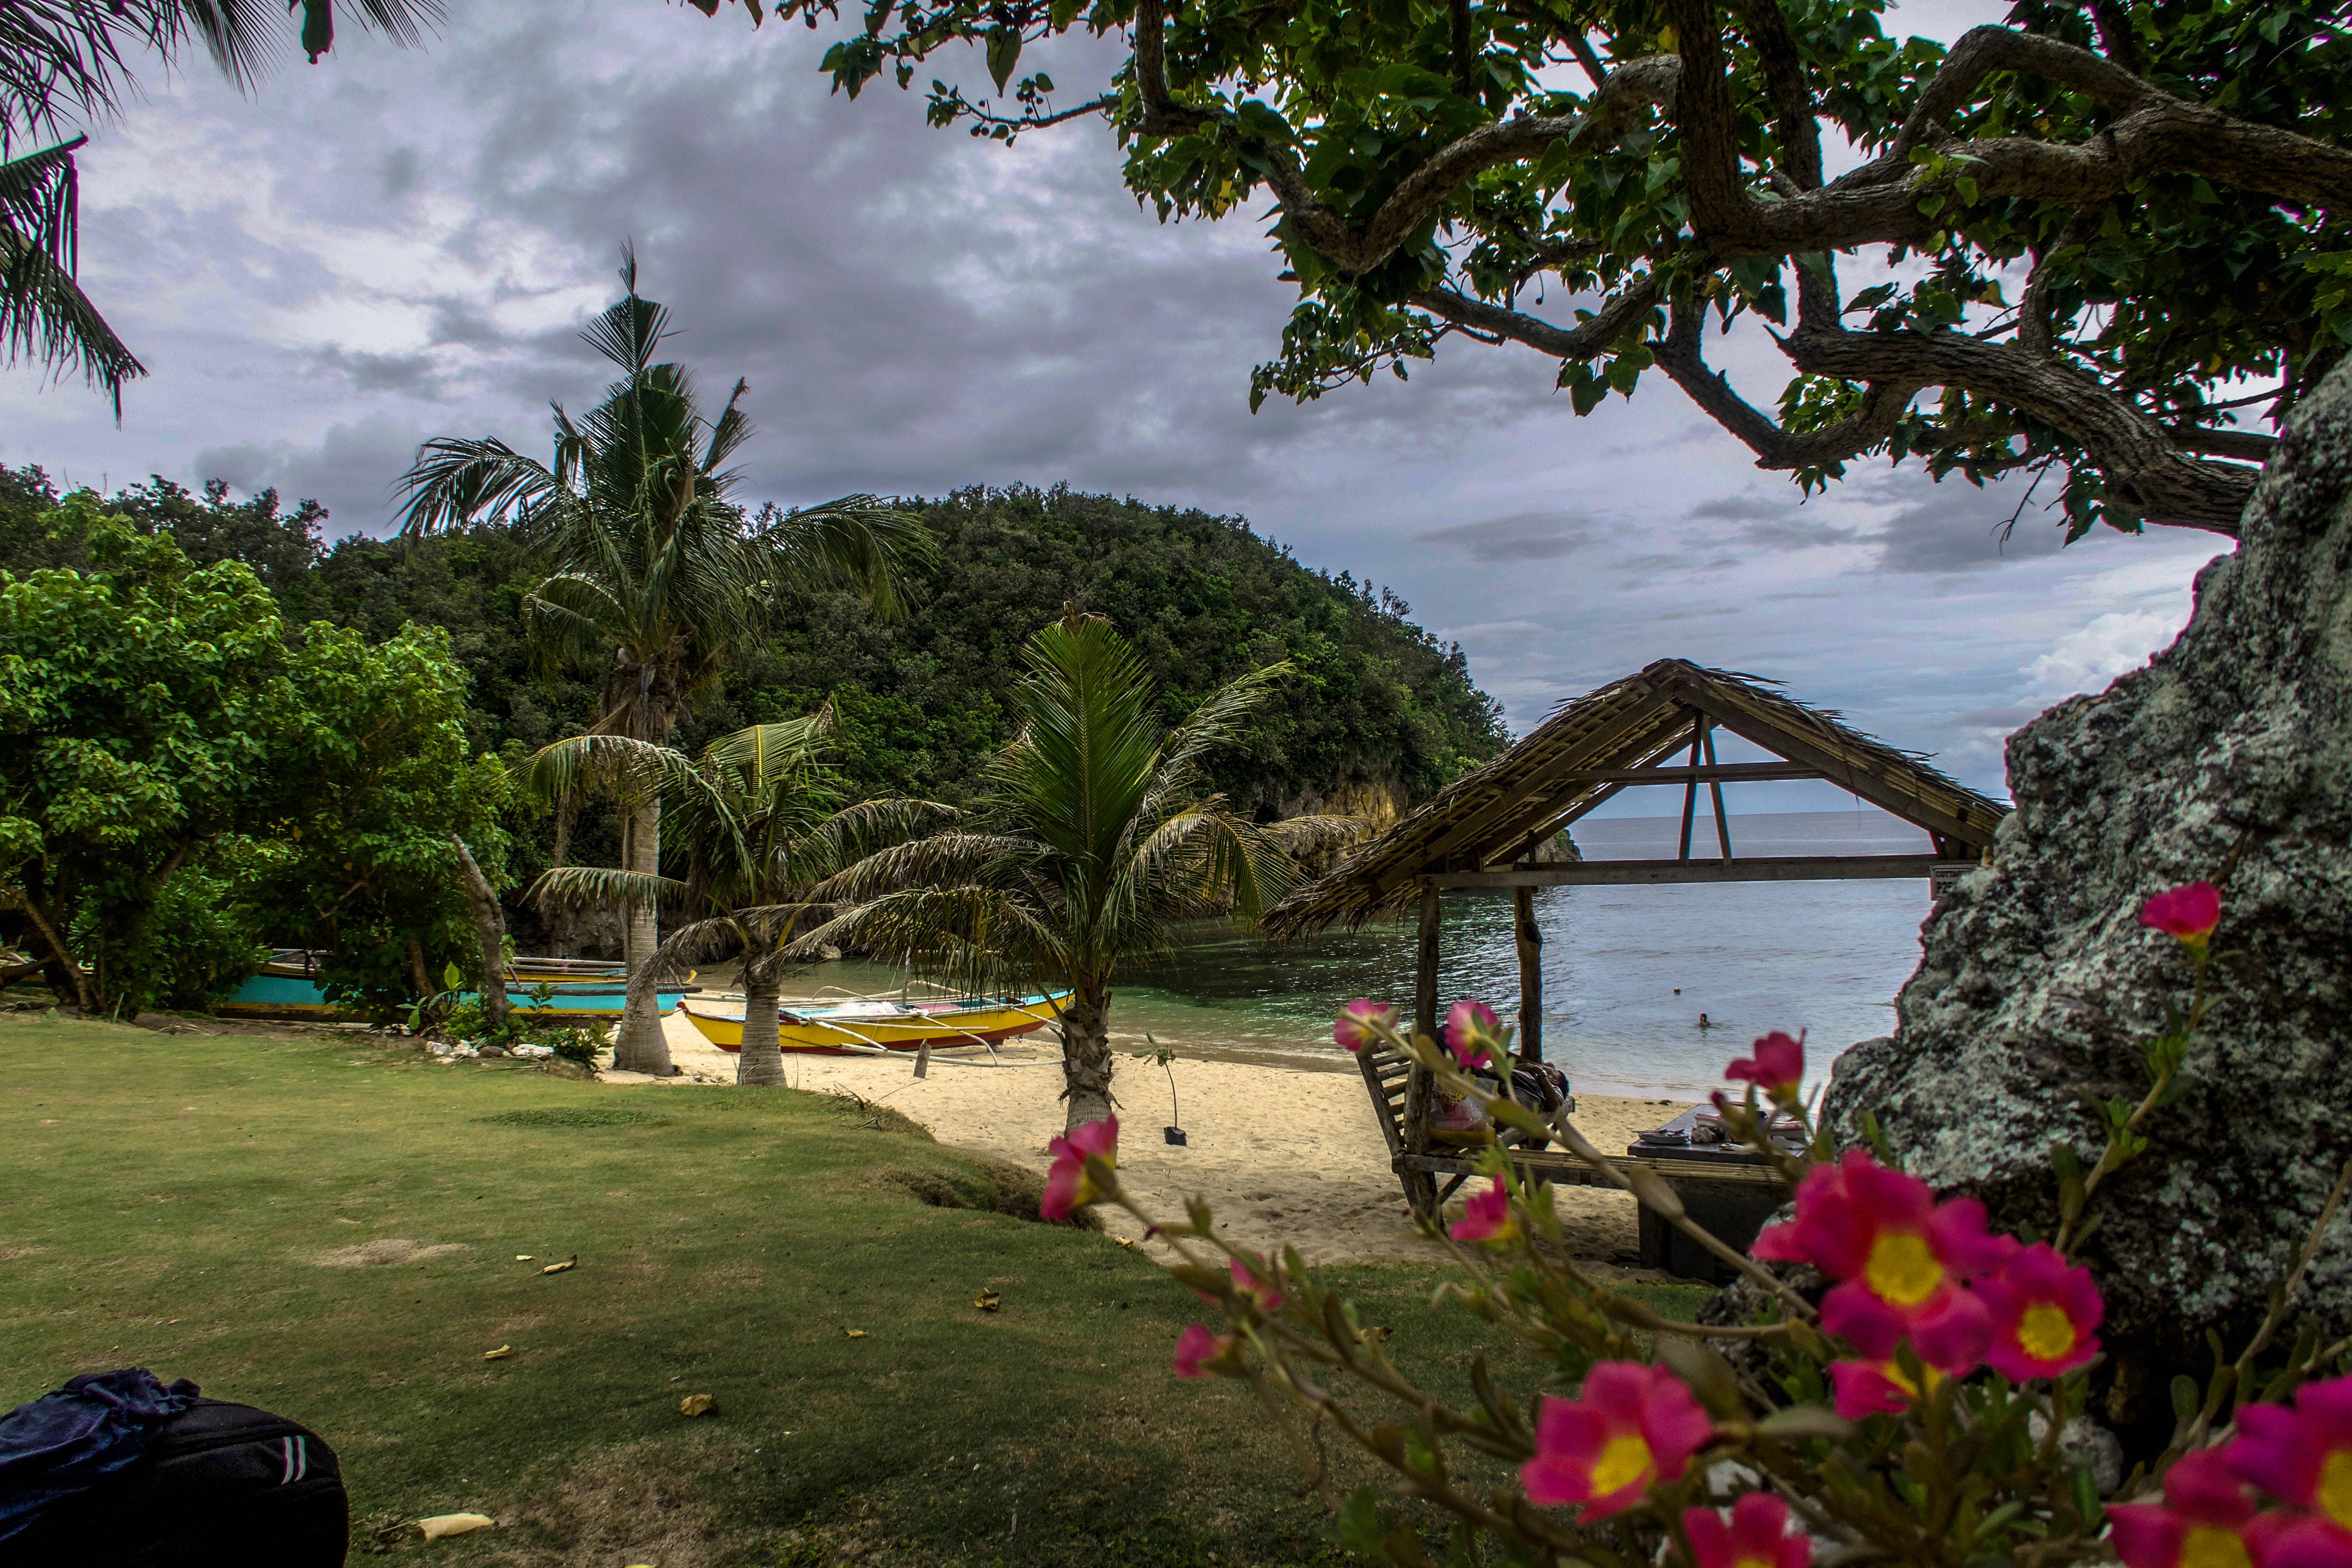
(196, 1204)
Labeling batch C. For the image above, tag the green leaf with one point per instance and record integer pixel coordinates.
(451, 977)
(2186, 1400)
(1003, 53)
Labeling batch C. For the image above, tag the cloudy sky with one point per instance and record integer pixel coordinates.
(388, 246)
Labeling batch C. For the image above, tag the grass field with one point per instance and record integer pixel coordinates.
(329, 1227)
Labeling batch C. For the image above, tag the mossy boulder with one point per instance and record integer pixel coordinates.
(2231, 755)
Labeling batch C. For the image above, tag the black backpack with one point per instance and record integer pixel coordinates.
(220, 1484)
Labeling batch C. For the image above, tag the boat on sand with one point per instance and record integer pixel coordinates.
(860, 1026)
(288, 987)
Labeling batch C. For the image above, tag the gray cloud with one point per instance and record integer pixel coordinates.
(1957, 527)
(409, 373)
(393, 247)
(1522, 536)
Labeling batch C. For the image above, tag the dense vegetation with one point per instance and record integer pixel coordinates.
(920, 704)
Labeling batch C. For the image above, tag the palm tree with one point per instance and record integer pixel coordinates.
(1096, 838)
(70, 60)
(752, 823)
(655, 573)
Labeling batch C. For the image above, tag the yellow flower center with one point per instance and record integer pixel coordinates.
(2206, 1547)
(1625, 1462)
(1895, 1374)
(2336, 1487)
(1902, 1270)
(2045, 1331)
(1755, 1562)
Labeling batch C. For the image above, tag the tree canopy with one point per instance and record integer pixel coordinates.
(161, 728)
(2080, 242)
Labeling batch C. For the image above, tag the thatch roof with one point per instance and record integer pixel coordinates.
(1497, 815)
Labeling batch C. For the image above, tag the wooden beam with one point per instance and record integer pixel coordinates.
(1762, 868)
(1726, 772)
(1529, 942)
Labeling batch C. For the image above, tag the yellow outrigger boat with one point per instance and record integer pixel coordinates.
(859, 1026)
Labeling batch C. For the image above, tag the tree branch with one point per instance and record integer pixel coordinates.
(1630, 88)
(2145, 472)
(1681, 356)
(1162, 115)
(1581, 341)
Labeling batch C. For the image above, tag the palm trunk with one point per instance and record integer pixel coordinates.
(761, 1062)
(640, 1046)
(1086, 1055)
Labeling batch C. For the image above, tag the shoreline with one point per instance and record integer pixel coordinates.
(1285, 1156)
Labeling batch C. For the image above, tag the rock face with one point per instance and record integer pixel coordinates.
(2037, 982)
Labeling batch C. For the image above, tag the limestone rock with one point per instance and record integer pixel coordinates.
(2037, 984)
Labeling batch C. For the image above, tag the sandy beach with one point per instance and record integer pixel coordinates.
(1284, 1157)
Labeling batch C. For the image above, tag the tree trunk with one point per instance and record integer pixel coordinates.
(63, 966)
(417, 975)
(1086, 1055)
(640, 1046)
(491, 926)
(761, 1062)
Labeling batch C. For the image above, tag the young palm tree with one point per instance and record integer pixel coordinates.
(1097, 836)
(73, 61)
(656, 573)
(752, 823)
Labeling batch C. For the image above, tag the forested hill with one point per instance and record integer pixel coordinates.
(1376, 701)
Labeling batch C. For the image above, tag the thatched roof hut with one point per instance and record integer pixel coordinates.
(1483, 830)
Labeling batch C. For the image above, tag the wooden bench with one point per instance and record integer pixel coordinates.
(1729, 1195)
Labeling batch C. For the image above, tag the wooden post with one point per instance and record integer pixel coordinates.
(1424, 981)
(1530, 945)
(1424, 1022)
(1722, 821)
(1690, 790)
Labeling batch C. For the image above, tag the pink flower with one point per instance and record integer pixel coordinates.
(1067, 1184)
(1877, 1387)
(1248, 1286)
(1634, 1425)
(1777, 1067)
(2284, 1540)
(1903, 1258)
(2043, 1313)
(1756, 1536)
(2301, 1457)
(2189, 913)
(2201, 1521)
(1487, 1216)
(1354, 1028)
(1197, 1345)
(1470, 1028)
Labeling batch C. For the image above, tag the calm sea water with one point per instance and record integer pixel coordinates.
(1627, 971)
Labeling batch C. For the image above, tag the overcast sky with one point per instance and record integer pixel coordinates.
(389, 246)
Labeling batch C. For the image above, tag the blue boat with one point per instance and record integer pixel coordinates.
(288, 987)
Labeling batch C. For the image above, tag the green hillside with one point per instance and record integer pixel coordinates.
(1379, 710)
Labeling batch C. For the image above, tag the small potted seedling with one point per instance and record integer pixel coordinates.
(1164, 1055)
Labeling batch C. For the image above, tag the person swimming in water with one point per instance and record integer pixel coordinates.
(1705, 1022)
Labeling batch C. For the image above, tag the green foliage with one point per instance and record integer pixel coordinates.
(157, 720)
